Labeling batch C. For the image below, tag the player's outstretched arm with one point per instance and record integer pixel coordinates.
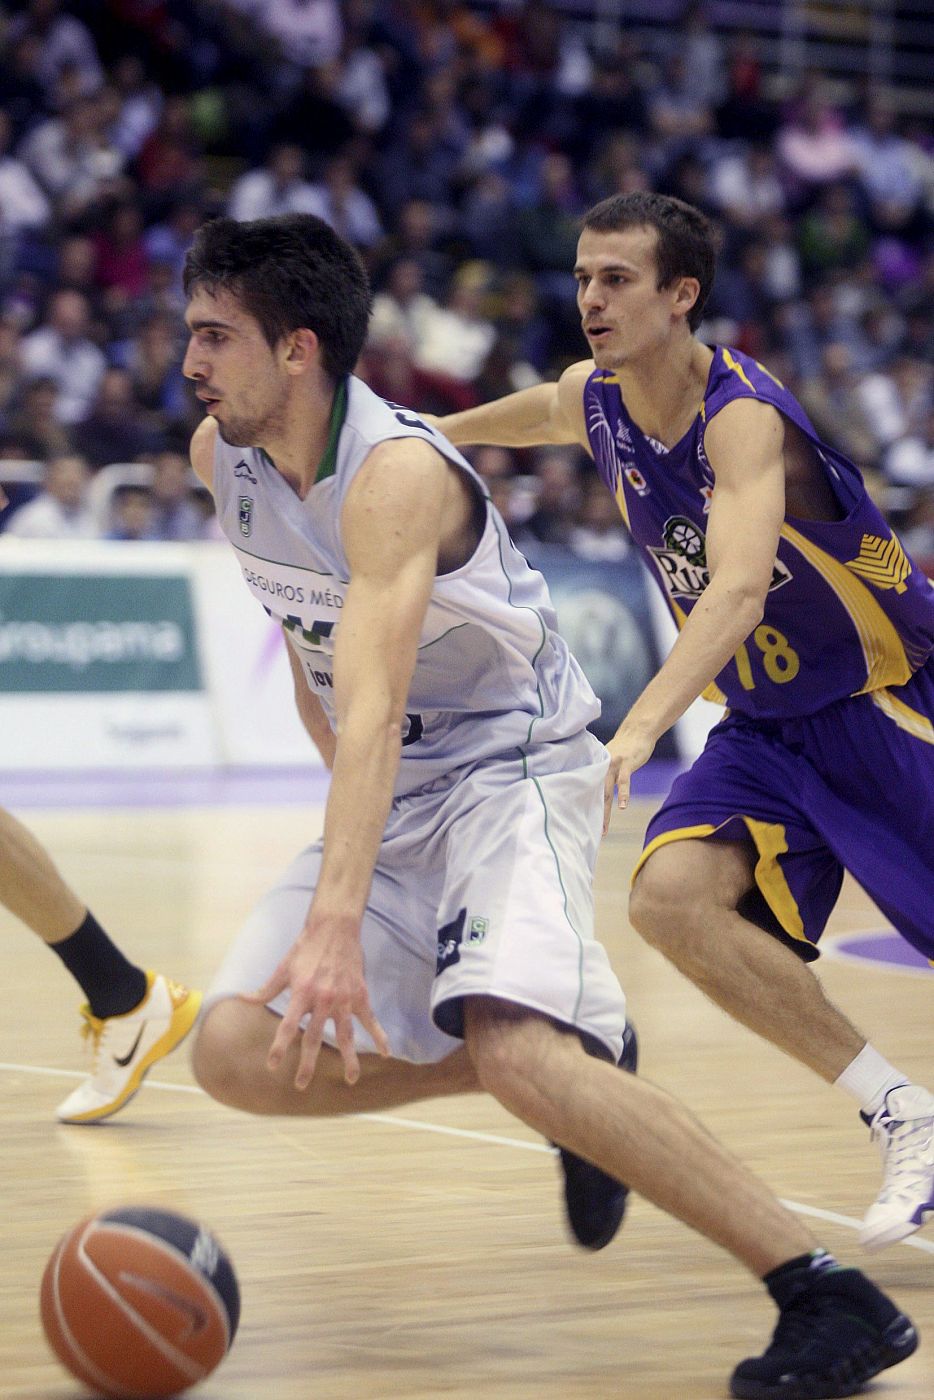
(543, 415)
(391, 527)
(744, 445)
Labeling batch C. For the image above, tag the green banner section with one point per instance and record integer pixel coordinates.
(106, 632)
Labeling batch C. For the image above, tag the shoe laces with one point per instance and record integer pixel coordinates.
(799, 1321)
(92, 1030)
(907, 1147)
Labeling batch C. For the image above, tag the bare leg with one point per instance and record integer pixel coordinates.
(631, 1129)
(31, 887)
(684, 903)
(229, 1061)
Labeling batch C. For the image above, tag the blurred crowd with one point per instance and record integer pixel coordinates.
(457, 147)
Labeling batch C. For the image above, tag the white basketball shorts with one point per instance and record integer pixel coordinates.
(484, 886)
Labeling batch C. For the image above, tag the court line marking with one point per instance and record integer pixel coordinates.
(798, 1207)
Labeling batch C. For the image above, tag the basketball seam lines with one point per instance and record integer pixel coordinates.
(102, 1378)
(178, 1358)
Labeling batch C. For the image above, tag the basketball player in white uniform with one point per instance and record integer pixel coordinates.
(440, 938)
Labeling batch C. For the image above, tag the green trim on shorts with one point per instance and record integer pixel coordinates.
(576, 932)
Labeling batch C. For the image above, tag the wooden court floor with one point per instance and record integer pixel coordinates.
(422, 1254)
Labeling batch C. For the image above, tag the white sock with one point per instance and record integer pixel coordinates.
(868, 1079)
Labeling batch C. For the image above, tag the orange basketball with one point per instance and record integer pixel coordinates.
(139, 1303)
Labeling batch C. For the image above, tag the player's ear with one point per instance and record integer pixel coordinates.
(686, 294)
(302, 351)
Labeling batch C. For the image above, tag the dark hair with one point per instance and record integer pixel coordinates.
(288, 272)
(687, 240)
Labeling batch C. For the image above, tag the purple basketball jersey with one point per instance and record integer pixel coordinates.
(847, 611)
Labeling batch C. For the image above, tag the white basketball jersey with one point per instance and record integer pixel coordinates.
(492, 673)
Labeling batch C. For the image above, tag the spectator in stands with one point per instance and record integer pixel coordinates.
(73, 158)
(24, 206)
(170, 165)
(131, 511)
(598, 532)
(61, 509)
(909, 461)
(340, 201)
(457, 338)
(889, 169)
(814, 146)
(121, 261)
(65, 45)
(832, 236)
(278, 187)
(830, 401)
(10, 368)
(153, 359)
(60, 349)
(402, 310)
(113, 431)
(33, 424)
(141, 102)
(176, 516)
(558, 495)
(745, 185)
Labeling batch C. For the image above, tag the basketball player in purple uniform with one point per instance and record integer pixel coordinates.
(799, 610)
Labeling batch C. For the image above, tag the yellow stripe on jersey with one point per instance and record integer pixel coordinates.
(737, 368)
(770, 844)
(883, 563)
(883, 649)
(620, 494)
(774, 377)
(912, 721)
(681, 833)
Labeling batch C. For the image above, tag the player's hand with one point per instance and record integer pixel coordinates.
(323, 972)
(628, 750)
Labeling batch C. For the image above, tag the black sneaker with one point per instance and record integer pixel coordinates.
(596, 1202)
(835, 1331)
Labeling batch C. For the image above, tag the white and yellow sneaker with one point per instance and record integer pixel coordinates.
(126, 1047)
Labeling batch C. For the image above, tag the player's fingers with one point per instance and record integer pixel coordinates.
(269, 990)
(311, 1045)
(286, 1032)
(622, 789)
(609, 791)
(380, 1038)
(343, 1026)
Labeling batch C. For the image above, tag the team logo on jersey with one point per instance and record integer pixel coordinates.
(707, 497)
(636, 480)
(883, 563)
(682, 559)
(479, 928)
(624, 439)
(243, 470)
(246, 516)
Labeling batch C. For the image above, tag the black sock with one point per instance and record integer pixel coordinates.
(111, 983)
(789, 1278)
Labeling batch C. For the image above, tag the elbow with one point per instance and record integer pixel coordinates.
(750, 610)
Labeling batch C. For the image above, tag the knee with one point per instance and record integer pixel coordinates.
(507, 1044)
(659, 907)
(217, 1056)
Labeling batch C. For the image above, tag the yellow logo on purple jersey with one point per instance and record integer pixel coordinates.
(883, 563)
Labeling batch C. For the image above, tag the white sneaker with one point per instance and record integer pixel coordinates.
(904, 1130)
(126, 1047)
